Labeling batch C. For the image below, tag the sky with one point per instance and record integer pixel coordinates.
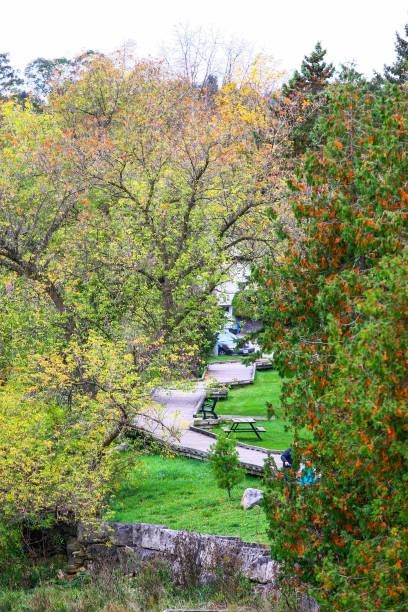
(359, 30)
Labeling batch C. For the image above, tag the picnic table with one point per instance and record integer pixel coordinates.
(246, 424)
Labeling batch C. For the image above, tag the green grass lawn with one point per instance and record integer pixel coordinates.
(182, 493)
(274, 438)
(250, 400)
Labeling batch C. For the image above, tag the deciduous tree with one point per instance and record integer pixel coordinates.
(181, 182)
(41, 72)
(10, 82)
(122, 206)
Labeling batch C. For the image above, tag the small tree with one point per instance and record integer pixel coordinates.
(225, 463)
(314, 74)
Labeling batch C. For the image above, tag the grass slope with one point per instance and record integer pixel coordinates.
(182, 493)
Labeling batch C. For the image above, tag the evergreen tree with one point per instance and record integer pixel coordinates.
(314, 74)
(335, 315)
(398, 72)
(225, 463)
(210, 84)
(304, 97)
(348, 73)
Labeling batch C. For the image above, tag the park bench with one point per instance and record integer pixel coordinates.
(207, 409)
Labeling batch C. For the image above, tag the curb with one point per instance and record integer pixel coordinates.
(259, 449)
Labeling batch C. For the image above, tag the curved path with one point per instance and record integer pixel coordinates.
(177, 408)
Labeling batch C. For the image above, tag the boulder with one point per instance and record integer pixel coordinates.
(251, 498)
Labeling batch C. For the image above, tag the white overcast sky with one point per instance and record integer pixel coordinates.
(360, 30)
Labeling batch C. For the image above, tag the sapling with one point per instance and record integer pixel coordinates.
(224, 462)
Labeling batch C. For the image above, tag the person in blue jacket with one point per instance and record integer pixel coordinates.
(287, 458)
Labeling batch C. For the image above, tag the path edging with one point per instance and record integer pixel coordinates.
(233, 383)
(259, 449)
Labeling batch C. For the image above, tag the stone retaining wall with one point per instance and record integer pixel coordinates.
(127, 545)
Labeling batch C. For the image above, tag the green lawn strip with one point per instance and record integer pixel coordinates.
(181, 493)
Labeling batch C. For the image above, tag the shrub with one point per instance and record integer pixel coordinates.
(225, 463)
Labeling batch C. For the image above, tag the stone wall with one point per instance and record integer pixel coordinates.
(127, 545)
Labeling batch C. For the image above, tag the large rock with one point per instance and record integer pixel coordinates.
(251, 498)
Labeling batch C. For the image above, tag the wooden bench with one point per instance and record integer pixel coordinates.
(207, 409)
(264, 364)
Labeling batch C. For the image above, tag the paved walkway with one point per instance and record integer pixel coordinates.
(231, 372)
(175, 409)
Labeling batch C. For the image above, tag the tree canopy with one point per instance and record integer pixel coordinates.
(129, 190)
(124, 202)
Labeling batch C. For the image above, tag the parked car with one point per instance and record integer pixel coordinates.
(228, 344)
(225, 349)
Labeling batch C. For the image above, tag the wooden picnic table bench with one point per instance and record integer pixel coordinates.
(246, 424)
